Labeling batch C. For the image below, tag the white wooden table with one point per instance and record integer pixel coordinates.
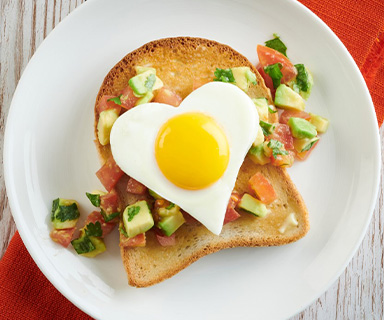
(357, 294)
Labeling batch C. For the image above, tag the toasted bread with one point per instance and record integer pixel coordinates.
(179, 62)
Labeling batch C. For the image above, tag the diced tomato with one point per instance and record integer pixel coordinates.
(109, 174)
(63, 236)
(167, 96)
(127, 98)
(231, 214)
(267, 79)
(104, 104)
(136, 241)
(268, 56)
(305, 154)
(283, 160)
(135, 187)
(197, 83)
(262, 188)
(95, 216)
(189, 219)
(110, 203)
(283, 134)
(284, 117)
(165, 241)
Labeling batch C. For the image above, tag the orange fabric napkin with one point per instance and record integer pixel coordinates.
(25, 293)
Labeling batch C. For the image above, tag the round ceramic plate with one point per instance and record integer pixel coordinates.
(49, 152)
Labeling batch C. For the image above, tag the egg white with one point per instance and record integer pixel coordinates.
(133, 138)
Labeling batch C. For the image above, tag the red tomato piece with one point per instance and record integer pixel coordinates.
(284, 117)
(283, 134)
(127, 98)
(283, 160)
(189, 219)
(165, 241)
(262, 188)
(268, 56)
(231, 214)
(135, 187)
(267, 79)
(63, 236)
(110, 203)
(136, 241)
(167, 96)
(104, 104)
(95, 216)
(109, 174)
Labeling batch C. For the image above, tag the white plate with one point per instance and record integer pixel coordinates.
(49, 152)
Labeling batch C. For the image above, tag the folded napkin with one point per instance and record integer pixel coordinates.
(25, 293)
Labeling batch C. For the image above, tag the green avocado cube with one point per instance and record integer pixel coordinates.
(171, 223)
(137, 218)
(286, 98)
(145, 82)
(302, 145)
(262, 108)
(64, 213)
(257, 155)
(301, 128)
(106, 120)
(253, 206)
(88, 246)
(243, 77)
(319, 122)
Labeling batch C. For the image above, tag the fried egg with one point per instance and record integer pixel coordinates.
(189, 155)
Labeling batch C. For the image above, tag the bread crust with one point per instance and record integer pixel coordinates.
(179, 61)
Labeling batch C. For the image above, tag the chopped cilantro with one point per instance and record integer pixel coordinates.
(170, 206)
(116, 100)
(224, 75)
(94, 198)
(94, 229)
(55, 205)
(302, 80)
(271, 110)
(123, 232)
(64, 213)
(109, 217)
(277, 148)
(132, 211)
(266, 127)
(149, 83)
(309, 146)
(83, 245)
(274, 71)
(276, 44)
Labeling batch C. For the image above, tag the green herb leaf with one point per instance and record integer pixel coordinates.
(277, 148)
(277, 44)
(94, 198)
(123, 232)
(150, 82)
(116, 100)
(65, 213)
(302, 80)
(55, 206)
(266, 127)
(132, 211)
(109, 217)
(274, 71)
(224, 75)
(171, 205)
(271, 110)
(94, 229)
(309, 146)
(83, 245)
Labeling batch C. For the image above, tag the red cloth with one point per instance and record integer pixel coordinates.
(25, 293)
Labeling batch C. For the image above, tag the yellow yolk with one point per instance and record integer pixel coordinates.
(192, 151)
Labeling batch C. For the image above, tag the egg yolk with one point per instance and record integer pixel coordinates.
(192, 151)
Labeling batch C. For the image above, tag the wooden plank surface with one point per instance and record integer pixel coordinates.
(357, 294)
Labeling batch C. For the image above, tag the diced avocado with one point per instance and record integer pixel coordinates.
(147, 98)
(106, 120)
(319, 122)
(303, 82)
(256, 154)
(137, 218)
(141, 69)
(262, 108)
(88, 246)
(286, 98)
(301, 128)
(243, 77)
(145, 82)
(154, 194)
(171, 223)
(259, 138)
(267, 128)
(252, 205)
(302, 145)
(267, 149)
(171, 210)
(64, 214)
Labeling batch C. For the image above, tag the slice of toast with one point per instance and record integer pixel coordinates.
(179, 62)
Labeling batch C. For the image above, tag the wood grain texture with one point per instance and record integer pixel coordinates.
(357, 294)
